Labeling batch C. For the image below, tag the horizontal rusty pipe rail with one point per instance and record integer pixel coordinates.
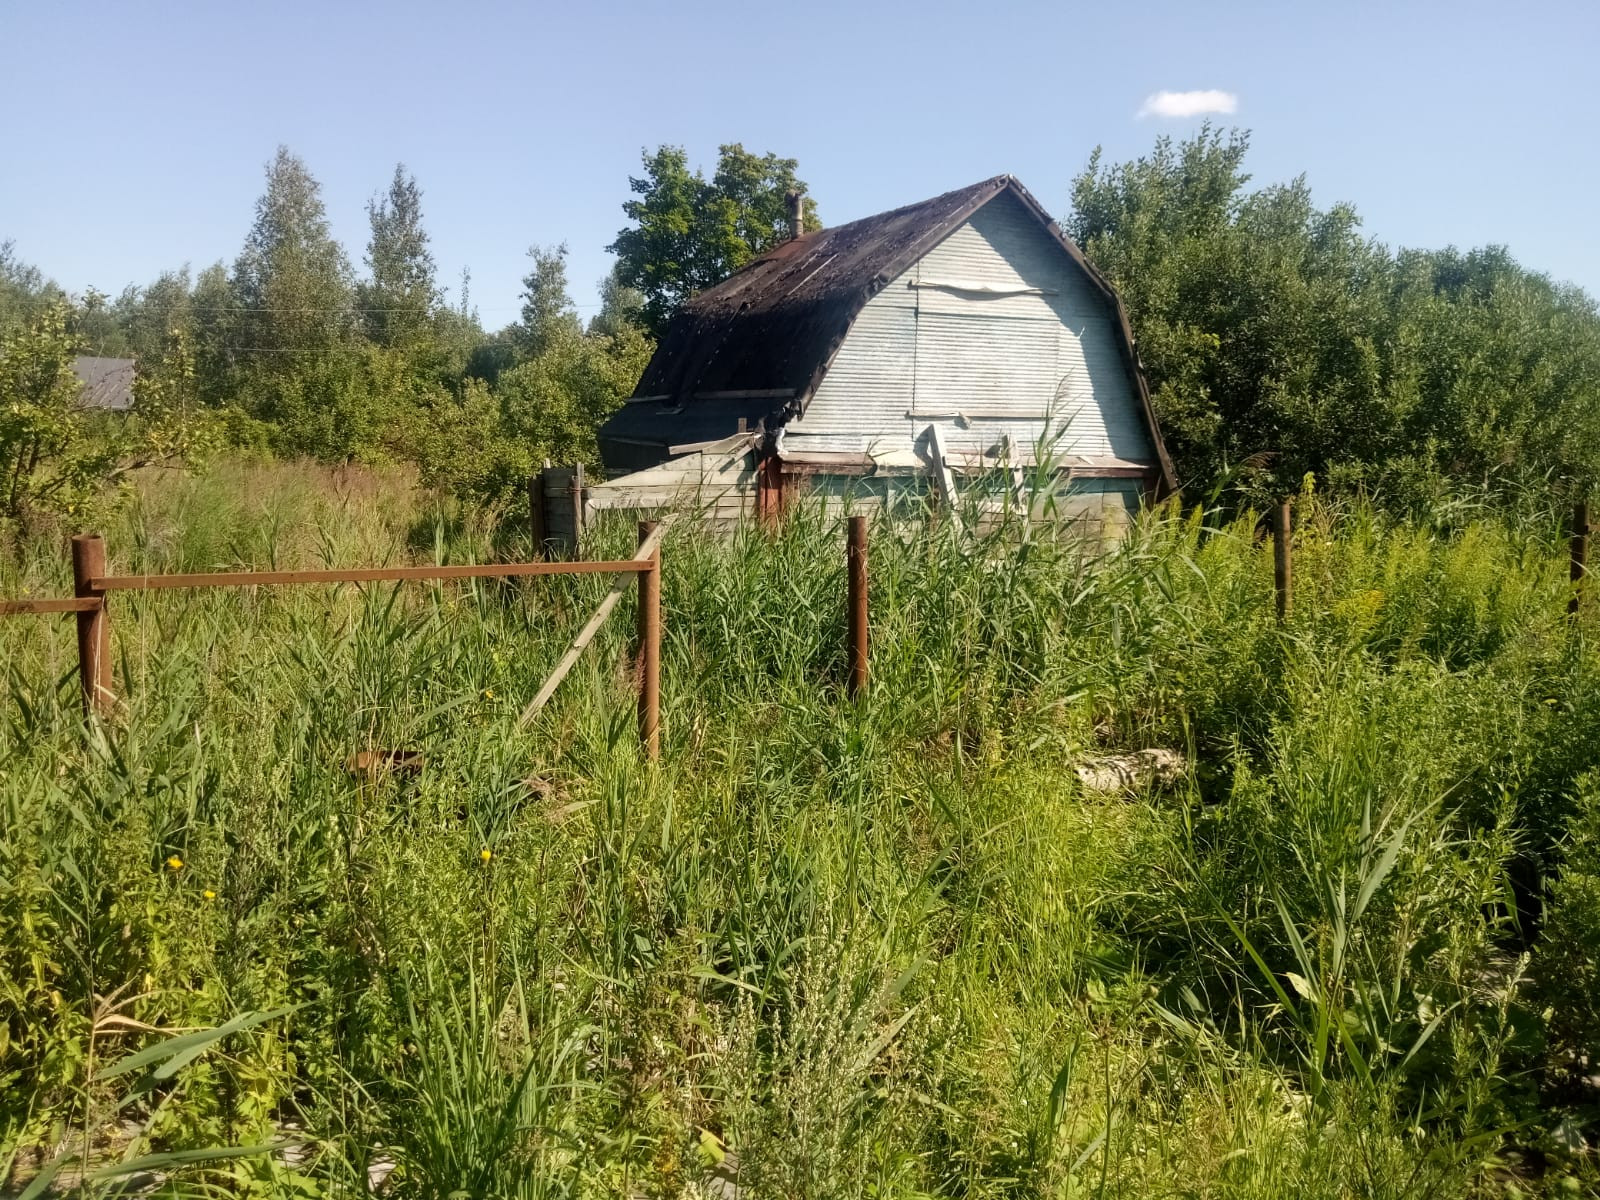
(129, 583)
(72, 604)
(92, 586)
(118, 583)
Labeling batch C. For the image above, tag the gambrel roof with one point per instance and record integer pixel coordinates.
(750, 352)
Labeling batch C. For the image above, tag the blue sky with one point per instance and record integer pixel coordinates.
(136, 134)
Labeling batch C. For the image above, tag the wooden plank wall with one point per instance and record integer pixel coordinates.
(561, 488)
(717, 486)
(720, 489)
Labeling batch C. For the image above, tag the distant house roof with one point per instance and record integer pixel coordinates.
(107, 382)
(753, 348)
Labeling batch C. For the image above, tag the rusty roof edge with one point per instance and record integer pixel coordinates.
(1130, 353)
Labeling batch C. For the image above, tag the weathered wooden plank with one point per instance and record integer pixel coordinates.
(941, 468)
(579, 520)
(537, 532)
(642, 560)
(94, 625)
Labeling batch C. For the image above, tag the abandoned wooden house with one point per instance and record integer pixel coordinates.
(894, 355)
(107, 382)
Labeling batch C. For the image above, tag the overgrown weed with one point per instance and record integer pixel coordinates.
(829, 947)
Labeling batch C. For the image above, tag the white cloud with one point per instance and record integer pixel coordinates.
(1188, 104)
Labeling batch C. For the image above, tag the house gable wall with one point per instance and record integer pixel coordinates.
(994, 333)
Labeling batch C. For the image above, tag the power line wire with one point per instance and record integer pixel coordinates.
(208, 308)
(337, 349)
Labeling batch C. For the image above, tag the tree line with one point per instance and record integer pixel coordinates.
(293, 351)
(1278, 339)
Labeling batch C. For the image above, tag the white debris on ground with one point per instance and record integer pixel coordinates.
(1133, 772)
(379, 1170)
(295, 1152)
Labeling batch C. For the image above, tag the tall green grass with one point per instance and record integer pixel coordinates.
(829, 947)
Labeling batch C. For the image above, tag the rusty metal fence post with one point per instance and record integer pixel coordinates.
(1580, 556)
(94, 626)
(92, 585)
(650, 649)
(856, 629)
(1282, 559)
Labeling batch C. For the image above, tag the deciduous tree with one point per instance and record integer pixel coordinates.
(689, 233)
(399, 299)
(548, 315)
(58, 458)
(292, 280)
(621, 307)
(1280, 340)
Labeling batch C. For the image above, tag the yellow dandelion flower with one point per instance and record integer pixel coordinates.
(209, 894)
(488, 693)
(485, 854)
(174, 863)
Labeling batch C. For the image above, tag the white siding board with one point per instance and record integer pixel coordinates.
(868, 388)
(1004, 247)
(985, 364)
(801, 444)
